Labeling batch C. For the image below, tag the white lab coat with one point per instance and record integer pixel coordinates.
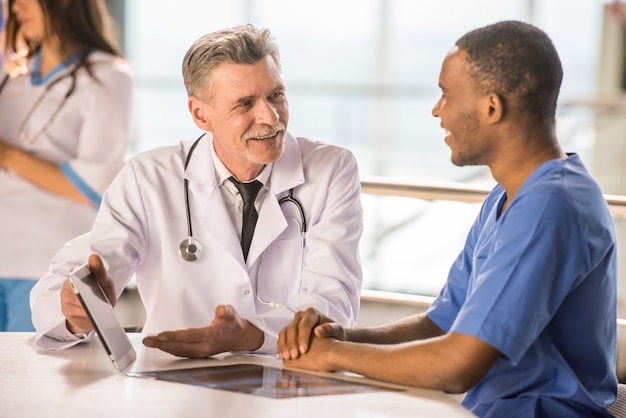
(142, 221)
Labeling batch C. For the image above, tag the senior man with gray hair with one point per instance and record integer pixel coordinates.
(227, 235)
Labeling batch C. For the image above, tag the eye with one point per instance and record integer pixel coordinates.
(279, 95)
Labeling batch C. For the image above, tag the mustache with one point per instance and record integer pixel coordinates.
(264, 132)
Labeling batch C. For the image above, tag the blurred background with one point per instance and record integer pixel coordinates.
(363, 74)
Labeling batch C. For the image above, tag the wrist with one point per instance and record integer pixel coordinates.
(77, 331)
(352, 334)
(8, 156)
(333, 354)
(253, 337)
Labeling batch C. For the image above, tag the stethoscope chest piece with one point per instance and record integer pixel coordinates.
(189, 249)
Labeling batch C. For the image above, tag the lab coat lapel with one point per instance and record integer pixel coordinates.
(206, 200)
(287, 173)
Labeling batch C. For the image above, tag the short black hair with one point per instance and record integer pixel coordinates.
(513, 58)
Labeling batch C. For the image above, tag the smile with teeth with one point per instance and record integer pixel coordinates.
(266, 137)
(263, 138)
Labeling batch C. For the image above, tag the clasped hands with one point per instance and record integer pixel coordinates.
(307, 342)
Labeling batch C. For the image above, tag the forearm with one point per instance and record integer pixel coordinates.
(417, 327)
(450, 364)
(41, 173)
(390, 363)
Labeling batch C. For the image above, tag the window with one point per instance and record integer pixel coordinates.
(363, 74)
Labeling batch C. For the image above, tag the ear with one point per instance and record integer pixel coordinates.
(198, 110)
(494, 108)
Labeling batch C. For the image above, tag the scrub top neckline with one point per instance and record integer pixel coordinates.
(36, 79)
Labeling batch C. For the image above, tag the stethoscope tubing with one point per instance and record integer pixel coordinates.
(186, 187)
(290, 198)
(189, 246)
(30, 138)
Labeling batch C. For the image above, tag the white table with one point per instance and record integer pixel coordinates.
(81, 382)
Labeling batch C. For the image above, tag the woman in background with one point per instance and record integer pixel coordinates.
(65, 127)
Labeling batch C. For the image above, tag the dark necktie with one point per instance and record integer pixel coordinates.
(248, 193)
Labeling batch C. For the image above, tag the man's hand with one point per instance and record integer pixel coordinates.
(295, 339)
(317, 356)
(77, 320)
(228, 332)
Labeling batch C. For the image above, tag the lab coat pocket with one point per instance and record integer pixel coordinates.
(281, 269)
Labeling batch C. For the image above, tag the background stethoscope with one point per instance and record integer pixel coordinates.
(189, 248)
(22, 135)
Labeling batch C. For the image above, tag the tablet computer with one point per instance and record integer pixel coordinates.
(268, 381)
(100, 313)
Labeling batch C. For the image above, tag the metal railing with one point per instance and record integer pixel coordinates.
(459, 192)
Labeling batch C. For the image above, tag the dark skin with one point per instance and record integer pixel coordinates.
(450, 362)
(480, 129)
(227, 332)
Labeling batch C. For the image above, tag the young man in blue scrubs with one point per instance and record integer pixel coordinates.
(526, 323)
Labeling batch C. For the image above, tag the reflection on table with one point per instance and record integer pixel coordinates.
(81, 382)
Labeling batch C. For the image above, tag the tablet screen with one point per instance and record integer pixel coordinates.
(261, 380)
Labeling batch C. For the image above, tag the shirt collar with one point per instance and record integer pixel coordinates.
(222, 173)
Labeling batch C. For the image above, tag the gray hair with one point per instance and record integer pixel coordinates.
(242, 44)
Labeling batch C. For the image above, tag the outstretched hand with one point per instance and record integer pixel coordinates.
(227, 332)
(296, 338)
(76, 318)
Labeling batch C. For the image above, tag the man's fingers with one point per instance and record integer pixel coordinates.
(95, 264)
(225, 312)
(174, 347)
(191, 342)
(73, 311)
(295, 338)
(307, 324)
(329, 329)
(324, 330)
(77, 320)
(186, 336)
(99, 272)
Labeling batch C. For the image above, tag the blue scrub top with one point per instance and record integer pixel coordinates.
(539, 284)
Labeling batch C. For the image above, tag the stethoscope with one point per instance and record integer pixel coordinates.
(189, 248)
(22, 135)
